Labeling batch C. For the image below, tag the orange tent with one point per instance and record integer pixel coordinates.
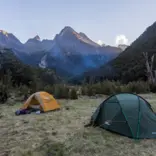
(42, 100)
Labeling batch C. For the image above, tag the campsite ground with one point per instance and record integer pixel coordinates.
(62, 133)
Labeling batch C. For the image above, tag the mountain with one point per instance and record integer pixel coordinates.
(35, 44)
(123, 46)
(67, 51)
(130, 64)
(8, 40)
(75, 50)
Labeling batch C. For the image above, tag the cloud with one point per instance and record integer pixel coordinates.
(121, 39)
(100, 42)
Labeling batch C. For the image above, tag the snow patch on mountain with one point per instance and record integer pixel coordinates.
(43, 63)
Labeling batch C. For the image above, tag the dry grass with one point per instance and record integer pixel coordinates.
(62, 133)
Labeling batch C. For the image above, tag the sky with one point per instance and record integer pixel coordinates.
(104, 21)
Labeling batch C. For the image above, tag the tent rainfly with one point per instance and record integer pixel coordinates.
(41, 100)
(127, 114)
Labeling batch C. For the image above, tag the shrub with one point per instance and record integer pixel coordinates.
(112, 87)
(33, 87)
(138, 87)
(91, 91)
(4, 93)
(49, 89)
(118, 89)
(24, 90)
(105, 87)
(61, 92)
(64, 93)
(73, 94)
(152, 88)
(97, 88)
(108, 87)
(84, 90)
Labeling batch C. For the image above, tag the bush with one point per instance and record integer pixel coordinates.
(84, 90)
(91, 91)
(97, 88)
(106, 87)
(23, 90)
(112, 87)
(49, 89)
(152, 88)
(4, 93)
(73, 94)
(61, 92)
(138, 87)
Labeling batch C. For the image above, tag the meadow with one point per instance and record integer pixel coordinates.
(62, 133)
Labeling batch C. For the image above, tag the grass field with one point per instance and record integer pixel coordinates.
(62, 133)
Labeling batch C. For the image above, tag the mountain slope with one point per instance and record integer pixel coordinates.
(24, 74)
(70, 53)
(130, 65)
(71, 50)
(8, 40)
(35, 44)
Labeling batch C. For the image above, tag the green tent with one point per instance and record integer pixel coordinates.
(127, 114)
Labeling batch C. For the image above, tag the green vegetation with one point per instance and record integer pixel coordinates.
(24, 80)
(112, 87)
(18, 77)
(72, 94)
(22, 74)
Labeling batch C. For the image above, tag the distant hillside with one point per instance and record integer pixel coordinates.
(130, 64)
(24, 74)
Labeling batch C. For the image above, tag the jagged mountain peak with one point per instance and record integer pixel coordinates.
(83, 34)
(8, 35)
(37, 38)
(8, 40)
(34, 39)
(66, 30)
(4, 32)
(70, 34)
